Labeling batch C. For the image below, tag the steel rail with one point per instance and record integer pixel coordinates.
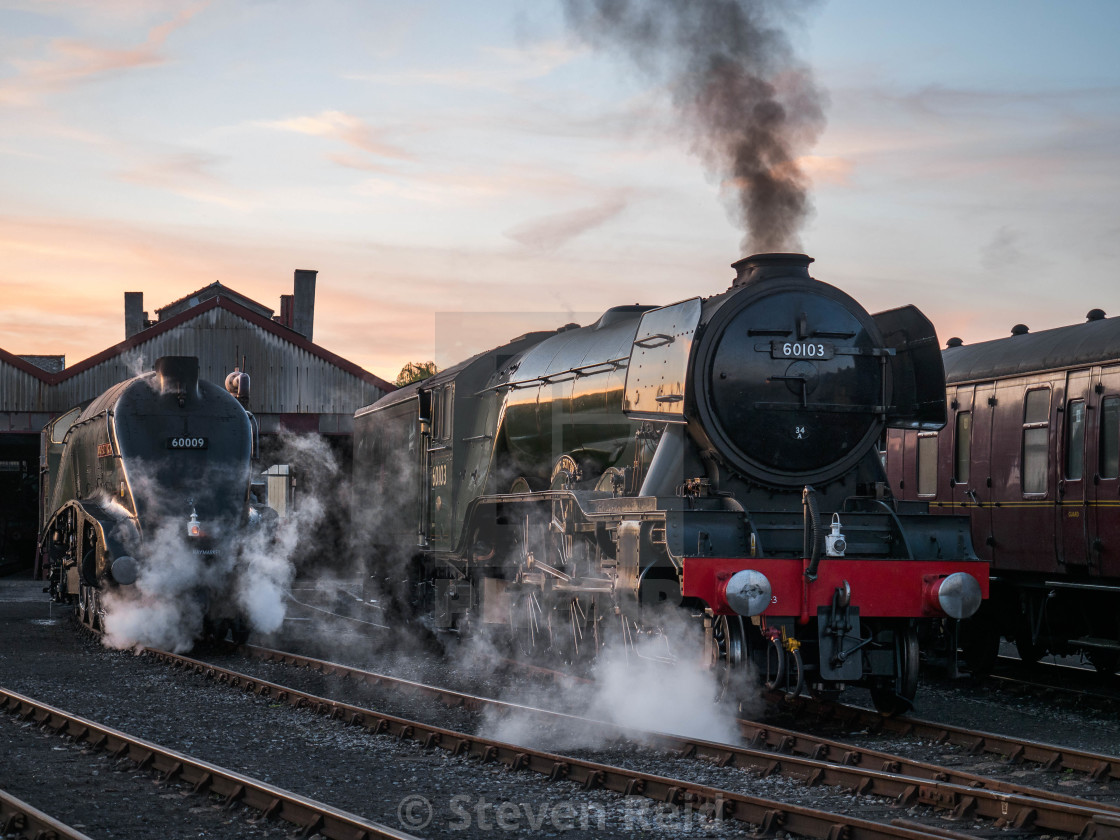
(19, 819)
(1071, 698)
(308, 814)
(1050, 756)
(1023, 680)
(970, 796)
(764, 742)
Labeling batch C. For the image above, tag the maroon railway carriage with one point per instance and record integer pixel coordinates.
(1032, 453)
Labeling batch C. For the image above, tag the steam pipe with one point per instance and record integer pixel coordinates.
(666, 470)
(712, 469)
(812, 544)
(800, 686)
(780, 673)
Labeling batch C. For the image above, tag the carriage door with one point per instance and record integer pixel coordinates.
(958, 456)
(1103, 468)
(1072, 508)
(976, 492)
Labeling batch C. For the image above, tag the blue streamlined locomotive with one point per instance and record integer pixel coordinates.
(155, 471)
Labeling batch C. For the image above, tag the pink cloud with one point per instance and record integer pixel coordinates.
(190, 175)
(550, 232)
(62, 283)
(70, 61)
(343, 127)
(505, 69)
(827, 170)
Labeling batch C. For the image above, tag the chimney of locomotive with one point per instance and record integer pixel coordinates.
(177, 374)
(761, 267)
(303, 304)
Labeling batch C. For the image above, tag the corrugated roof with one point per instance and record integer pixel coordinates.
(220, 302)
(1078, 345)
(205, 293)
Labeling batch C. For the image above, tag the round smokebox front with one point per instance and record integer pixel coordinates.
(794, 386)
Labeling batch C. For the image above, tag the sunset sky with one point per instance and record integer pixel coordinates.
(439, 161)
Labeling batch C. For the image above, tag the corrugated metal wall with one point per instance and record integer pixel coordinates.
(23, 392)
(285, 378)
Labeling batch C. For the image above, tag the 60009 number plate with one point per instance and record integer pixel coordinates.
(187, 442)
(801, 350)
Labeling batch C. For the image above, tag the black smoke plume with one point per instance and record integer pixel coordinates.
(751, 105)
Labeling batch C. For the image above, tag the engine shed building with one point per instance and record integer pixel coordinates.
(296, 384)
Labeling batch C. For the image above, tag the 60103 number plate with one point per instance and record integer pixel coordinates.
(186, 442)
(801, 350)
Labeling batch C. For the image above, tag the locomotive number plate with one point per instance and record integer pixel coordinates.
(801, 350)
(187, 443)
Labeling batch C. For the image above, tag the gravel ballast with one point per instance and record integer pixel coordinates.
(429, 792)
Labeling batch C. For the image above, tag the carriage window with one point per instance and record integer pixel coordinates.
(1110, 438)
(1075, 439)
(1036, 432)
(927, 464)
(963, 443)
(1036, 408)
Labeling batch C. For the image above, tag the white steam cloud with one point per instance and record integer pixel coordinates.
(245, 579)
(656, 682)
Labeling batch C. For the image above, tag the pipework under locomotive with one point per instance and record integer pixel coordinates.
(162, 459)
(717, 455)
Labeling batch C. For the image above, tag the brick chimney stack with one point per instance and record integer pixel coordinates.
(135, 318)
(303, 303)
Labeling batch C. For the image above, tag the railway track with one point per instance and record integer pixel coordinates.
(781, 740)
(1066, 697)
(774, 752)
(1015, 750)
(310, 816)
(18, 819)
(1056, 683)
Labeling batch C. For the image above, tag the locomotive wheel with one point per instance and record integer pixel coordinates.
(527, 484)
(529, 624)
(88, 570)
(97, 612)
(566, 473)
(610, 481)
(729, 650)
(84, 613)
(1029, 651)
(239, 632)
(225, 630)
(577, 637)
(979, 640)
(899, 698)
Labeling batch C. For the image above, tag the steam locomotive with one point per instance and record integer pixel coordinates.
(1032, 456)
(716, 457)
(154, 471)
